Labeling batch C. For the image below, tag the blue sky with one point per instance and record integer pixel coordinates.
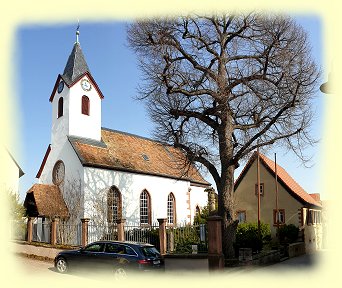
(41, 53)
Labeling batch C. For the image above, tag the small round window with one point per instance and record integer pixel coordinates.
(58, 172)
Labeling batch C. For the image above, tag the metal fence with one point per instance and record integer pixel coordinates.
(184, 239)
(69, 234)
(41, 232)
(102, 232)
(144, 234)
(181, 239)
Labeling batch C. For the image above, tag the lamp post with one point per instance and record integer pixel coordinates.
(276, 190)
(258, 191)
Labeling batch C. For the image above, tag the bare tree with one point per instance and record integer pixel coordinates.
(69, 228)
(104, 225)
(220, 86)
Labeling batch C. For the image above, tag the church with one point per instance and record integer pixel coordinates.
(102, 174)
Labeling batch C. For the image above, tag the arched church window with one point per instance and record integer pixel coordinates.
(60, 107)
(145, 208)
(114, 205)
(85, 105)
(171, 211)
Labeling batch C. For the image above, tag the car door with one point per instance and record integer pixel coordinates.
(90, 256)
(110, 256)
(116, 254)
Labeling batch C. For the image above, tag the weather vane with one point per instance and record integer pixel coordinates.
(77, 30)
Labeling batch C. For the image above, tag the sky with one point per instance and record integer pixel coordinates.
(41, 52)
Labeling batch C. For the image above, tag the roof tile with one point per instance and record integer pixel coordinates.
(48, 201)
(123, 151)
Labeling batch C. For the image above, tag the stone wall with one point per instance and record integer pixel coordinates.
(37, 250)
(296, 249)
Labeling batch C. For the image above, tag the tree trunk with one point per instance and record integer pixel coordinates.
(226, 211)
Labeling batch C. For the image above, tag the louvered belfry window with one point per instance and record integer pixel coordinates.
(85, 105)
(145, 208)
(60, 107)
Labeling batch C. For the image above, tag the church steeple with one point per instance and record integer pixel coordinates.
(76, 65)
(76, 100)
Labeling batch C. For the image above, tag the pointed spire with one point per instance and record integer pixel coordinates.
(76, 65)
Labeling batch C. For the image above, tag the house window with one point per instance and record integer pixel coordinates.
(60, 107)
(262, 188)
(114, 205)
(280, 218)
(314, 217)
(241, 216)
(319, 217)
(171, 215)
(145, 208)
(85, 105)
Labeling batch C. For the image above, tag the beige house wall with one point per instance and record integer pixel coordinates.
(246, 200)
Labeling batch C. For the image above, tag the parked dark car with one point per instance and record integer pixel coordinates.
(118, 257)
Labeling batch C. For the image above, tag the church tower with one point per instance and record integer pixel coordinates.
(76, 101)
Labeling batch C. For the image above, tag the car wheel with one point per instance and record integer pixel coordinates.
(62, 265)
(120, 273)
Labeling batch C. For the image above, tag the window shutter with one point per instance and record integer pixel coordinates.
(85, 105)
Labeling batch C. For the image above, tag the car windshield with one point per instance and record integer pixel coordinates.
(150, 251)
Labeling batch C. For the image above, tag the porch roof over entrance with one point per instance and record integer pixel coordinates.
(45, 201)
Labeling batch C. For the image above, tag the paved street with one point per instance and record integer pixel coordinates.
(301, 263)
(307, 261)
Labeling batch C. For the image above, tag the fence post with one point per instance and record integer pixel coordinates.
(162, 235)
(54, 223)
(121, 229)
(84, 233)
(29, 229)
(215, 255)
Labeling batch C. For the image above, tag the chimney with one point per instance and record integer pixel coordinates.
(316, 196)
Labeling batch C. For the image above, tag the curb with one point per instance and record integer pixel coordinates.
(35, 257)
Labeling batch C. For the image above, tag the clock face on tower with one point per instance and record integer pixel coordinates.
(85, 84)
(58, 172)
(60, 86)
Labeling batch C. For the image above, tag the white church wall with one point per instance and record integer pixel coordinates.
(73, 169)
(60, 126)
(87, 126)
(197, 198)
(99, 181)
(73, 122)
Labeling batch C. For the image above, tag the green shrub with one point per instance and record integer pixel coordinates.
(288, 233)
(184, 238)
(247, 236)
(201, 218)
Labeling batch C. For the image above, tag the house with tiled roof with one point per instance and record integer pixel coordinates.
(282, 200)
(102, 174)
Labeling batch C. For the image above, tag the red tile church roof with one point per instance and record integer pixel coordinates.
(131, 153)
